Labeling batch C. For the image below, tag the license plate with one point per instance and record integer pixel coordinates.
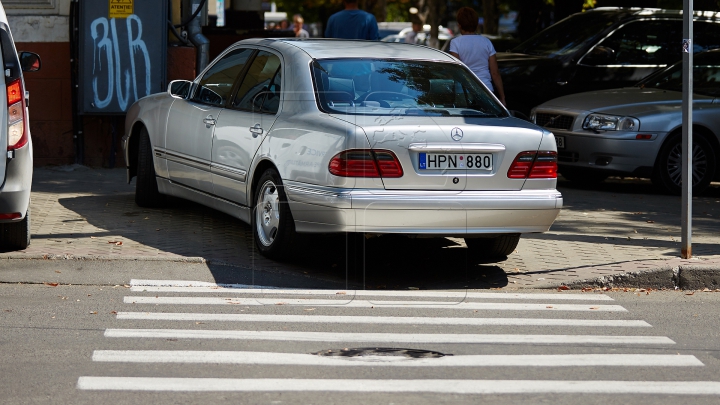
(560, 141)
(455, 161)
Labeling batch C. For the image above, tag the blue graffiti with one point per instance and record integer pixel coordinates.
(108, 47)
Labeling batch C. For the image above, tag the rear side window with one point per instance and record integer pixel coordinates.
(260, 89)
(216, 84)
(706, 36)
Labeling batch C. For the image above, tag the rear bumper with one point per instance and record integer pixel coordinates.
(15, 190)
(324, 209)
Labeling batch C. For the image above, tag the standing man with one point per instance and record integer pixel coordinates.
(352, 23)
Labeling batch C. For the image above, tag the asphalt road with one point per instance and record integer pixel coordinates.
(110, 334)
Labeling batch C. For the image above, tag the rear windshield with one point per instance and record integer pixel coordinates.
(401, 87)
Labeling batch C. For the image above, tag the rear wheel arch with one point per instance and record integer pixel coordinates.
(257, 173)
(133, 148)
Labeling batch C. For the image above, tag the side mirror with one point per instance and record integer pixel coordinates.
(180, 88)
(600, 55)
(29, 61)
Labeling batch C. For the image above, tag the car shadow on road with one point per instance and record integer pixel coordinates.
(187, 229)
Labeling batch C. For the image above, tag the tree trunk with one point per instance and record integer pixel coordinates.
(490, 17)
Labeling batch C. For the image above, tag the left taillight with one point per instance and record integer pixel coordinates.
(366, 163)
(17, 131)
(534, 165)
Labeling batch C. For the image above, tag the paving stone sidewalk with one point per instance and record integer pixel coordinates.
(78, 212)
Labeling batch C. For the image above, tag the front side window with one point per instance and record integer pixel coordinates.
(215, 86)
(401, 87)
(260, 89)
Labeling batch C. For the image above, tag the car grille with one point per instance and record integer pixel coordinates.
(568, 156)
(554, 120)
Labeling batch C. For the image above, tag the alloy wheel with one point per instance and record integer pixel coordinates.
(267, 213)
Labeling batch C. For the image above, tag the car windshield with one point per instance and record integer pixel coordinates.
(401, 87)
(706, 76)
(569, 35)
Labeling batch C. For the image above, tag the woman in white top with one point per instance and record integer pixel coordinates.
(477, 52)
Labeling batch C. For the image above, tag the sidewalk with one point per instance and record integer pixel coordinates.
(600, 236)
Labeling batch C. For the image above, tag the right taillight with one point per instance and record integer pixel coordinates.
(534, 165)
(17, 136)
(365, 163)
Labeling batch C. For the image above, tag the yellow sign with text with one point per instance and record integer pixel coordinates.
(121, 8)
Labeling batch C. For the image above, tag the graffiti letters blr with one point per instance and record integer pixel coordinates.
(113, 77)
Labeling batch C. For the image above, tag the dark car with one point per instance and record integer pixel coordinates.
(599, 49)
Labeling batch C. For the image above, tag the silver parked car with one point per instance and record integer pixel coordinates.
(16, 168)
(637, 131)
(324, 136)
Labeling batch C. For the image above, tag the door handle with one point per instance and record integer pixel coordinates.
(256, 130)
(209, 120)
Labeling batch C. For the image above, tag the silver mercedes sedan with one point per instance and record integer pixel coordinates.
(637, 131)
(333, 136)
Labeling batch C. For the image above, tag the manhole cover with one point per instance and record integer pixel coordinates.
(390, 353)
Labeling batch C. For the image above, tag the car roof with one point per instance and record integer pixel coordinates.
(653, 12)
(318, 48)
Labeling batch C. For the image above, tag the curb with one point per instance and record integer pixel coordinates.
(190, 259)
(685, 277)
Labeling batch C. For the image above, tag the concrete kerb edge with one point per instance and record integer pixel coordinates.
(685, 277)
(102, 258)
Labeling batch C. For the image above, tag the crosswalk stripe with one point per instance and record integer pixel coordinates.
(244, 289)
(386, 320)
(394, 386)
(368, 304)
(301, 359)
(384, 337)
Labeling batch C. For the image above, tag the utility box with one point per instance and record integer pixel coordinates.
(122, 53)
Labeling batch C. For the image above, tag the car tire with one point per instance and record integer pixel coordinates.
(583, 177)
(272, 222)
(146, 187)
(668, 168)
(497, 247)
(15, 235)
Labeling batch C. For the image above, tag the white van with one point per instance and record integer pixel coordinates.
(16, 167)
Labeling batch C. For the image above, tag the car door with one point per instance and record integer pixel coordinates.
(191, 122)
(243, 125)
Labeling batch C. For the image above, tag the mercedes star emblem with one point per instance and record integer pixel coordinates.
(456, 134)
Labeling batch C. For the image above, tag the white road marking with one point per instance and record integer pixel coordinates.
(198, 287)
(384, 337)
(507, 306)
(393, 386)
(301, 359)
(385, 320)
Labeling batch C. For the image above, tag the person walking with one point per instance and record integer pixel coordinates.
(298, 28)
(352, 23)
(477, 52)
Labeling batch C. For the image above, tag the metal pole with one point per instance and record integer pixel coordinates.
(687, 107)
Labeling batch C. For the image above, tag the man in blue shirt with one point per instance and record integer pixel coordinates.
(352, 23)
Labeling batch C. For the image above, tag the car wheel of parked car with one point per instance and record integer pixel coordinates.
(16, 235)
(668, 168)
(494, 247)
(272, 223)
(146, 188)
(580, 176)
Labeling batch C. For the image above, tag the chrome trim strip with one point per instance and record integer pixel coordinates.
(188, 160)
(229, 172)
(456, 147)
